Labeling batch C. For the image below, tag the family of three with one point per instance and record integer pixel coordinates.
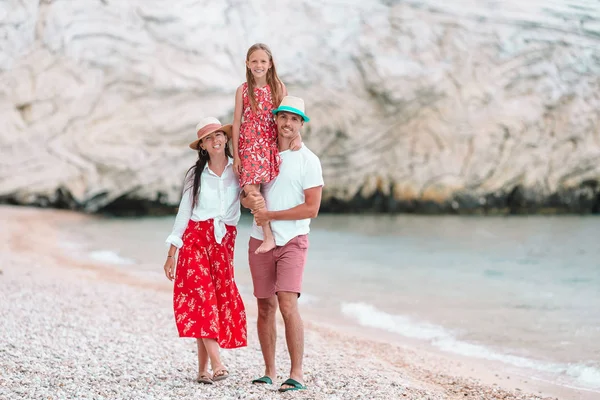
(271, 172)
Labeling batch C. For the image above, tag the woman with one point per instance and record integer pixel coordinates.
(206, 300)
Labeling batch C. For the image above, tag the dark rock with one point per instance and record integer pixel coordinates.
(584, 199)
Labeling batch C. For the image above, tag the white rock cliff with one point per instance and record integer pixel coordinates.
(422, 105)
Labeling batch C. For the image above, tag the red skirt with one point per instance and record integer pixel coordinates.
(206, 300)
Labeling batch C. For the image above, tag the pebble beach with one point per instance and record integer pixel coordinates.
(77, 329)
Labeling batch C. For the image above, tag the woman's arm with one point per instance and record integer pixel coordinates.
(181, 220)
(169, 266)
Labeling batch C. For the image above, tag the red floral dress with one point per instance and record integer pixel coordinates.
(258, 139)
(206, 300)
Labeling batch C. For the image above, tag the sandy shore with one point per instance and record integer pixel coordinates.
(74, 329)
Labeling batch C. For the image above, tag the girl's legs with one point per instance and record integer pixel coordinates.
(269, 242)
(202, 359)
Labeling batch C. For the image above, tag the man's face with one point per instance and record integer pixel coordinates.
(288, 124)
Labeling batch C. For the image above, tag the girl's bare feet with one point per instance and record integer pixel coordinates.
(267, 245)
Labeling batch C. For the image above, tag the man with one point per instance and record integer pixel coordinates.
(292, 199)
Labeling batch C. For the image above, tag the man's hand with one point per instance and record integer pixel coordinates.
(254, 201)
(261, 216)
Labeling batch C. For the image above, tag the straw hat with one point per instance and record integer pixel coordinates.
(294, 105)
(205, 127)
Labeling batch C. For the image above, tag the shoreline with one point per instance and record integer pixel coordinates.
(581, 199)
(338, 362)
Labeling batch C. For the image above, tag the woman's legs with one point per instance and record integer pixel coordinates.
(196, 313)
(202, 359)
(269, 241)
(212, 348)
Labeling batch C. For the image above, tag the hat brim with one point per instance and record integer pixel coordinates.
(292, 110)
(225, 128)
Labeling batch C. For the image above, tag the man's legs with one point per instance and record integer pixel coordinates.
(267, 333)
(294, 333)
(290, 268)
(262, 268)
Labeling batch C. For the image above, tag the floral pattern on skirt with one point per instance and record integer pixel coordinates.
(257, 146)
(206, 300)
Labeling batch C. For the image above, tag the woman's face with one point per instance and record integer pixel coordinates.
(214, 144)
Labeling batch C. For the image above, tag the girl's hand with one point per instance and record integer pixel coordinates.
(296, 143)
(237, 166)
(170, 268)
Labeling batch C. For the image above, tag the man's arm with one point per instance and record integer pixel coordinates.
(308, 209)
(252, 201)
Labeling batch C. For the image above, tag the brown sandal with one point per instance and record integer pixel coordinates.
(205, 378)
(220, 375)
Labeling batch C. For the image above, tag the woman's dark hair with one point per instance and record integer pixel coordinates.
(192, 176)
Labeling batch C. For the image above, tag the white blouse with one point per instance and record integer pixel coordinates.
(219, 198)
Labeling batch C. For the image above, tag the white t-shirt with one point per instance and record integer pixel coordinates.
(300, 170)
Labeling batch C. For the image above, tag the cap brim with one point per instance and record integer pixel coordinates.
(292, 110)
(225, 128)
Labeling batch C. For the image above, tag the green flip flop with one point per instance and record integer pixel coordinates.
(264, 379)
(295, 385)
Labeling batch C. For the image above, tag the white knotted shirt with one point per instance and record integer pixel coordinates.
(219, 199)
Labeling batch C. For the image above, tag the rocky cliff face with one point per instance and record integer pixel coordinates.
(424, 106)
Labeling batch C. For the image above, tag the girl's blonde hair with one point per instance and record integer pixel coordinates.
(272, 79)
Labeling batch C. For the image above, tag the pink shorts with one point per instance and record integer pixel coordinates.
(279, 270)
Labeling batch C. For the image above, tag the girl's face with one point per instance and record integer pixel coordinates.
(258, 63)
(214, 144)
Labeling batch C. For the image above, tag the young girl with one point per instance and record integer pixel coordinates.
(206, 300)
(256, 157)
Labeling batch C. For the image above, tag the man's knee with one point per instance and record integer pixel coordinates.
(267, 307)
(288, 303)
